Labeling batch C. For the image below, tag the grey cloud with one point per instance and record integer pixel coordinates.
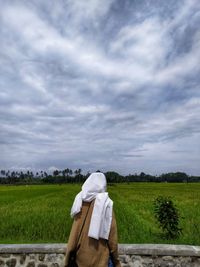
(93, 85)
(132, 155)
(181, 151)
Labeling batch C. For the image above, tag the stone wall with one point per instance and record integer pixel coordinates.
(143, 255)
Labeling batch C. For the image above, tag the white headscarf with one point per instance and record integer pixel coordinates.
(95, 188)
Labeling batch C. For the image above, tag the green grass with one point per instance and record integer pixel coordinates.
(40, 213)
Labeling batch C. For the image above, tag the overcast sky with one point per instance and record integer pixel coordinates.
(100, 84)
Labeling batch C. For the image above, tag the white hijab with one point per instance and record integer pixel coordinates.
(95, 188)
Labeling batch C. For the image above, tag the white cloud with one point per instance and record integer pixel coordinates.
(180, 68)
(45, 39)
(145, 43)
(91, 9)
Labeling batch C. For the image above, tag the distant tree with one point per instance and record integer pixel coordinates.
(55, 173)
(78, 175)
(142, 174)
(3, 172)
(59, 176)
(174, 177)
(67, 171)
(113, 177)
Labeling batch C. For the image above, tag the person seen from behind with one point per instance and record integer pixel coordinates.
(94, 230)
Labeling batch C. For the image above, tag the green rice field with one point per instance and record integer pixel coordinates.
(40, 213)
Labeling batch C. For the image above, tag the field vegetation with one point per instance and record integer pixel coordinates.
(40, 213)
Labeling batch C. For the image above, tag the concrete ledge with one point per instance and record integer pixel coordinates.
(33, 248)
(159, 249)
(131, 249)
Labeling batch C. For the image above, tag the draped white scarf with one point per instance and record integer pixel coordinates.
(95, 188)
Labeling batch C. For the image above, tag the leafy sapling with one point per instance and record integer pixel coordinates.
(167, 216)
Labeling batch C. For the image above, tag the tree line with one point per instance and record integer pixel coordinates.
(76, 176)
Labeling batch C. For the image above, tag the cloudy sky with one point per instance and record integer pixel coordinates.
(100, 84)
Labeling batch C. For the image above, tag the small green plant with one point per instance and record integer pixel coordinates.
(167, 216)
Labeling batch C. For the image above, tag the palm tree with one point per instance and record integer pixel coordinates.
(55, 173)
(67, 171)
(3, 172)
(78, 174)
(7, 173)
